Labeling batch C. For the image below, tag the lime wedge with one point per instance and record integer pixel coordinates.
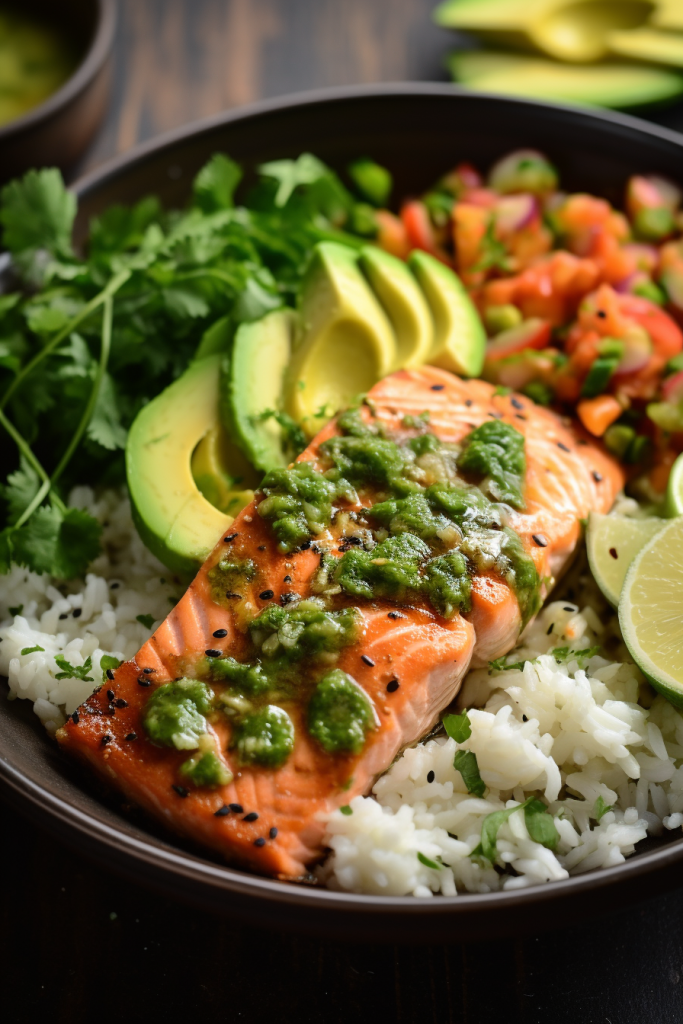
(613, 542)
(674, 489)
(651, 611)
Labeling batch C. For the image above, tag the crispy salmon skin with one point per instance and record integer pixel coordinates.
(406, 658)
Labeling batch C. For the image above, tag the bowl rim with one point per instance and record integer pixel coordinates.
(189, 875)
(94, 58)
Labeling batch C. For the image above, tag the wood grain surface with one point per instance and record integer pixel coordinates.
(78, 944)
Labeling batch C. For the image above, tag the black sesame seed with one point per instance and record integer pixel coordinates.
(252, 816)
(601, 314)
(266, 595)
(220, 633)
(597, 476)
(524, 718)
(287, 579)
(221, 812)
(515, 402)
(211, 653)
(180, 790)
(273, 833)
(64, 615)
(110, 674)
(121, 703)
(230, 537)
(305, 546)
(110, 694)
(540, 539)
(394, 615)
(144, 682)
(613, 553)
(259, 842)
(367, 660)
(469, 402)
(519, 416)
(567, 608)
(77, 612)
(114, 585)
(149, 670)
(237, 808)
(106, 739)
(262, 547)
(74, 718)
(392, 686)
(438, 387)
(430, 776)
(563, 447)
(550, 629)
(131, 736)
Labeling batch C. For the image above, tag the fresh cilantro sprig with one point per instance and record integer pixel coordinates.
(538, 820)
(70, 671)
(87, 339)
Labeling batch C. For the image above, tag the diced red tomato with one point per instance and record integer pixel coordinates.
(420, 231)
(392, 235)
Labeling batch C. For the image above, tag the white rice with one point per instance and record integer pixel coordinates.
(124, 582)
(569, 733)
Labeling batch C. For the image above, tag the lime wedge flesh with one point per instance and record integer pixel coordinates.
(613, 542)
(674, 490)
(651, 611)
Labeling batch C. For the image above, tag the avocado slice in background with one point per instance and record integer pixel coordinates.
(606, 85)
(459, 335)
(251, 384)
(649, 44)
(347, 341)
(403, 302)
(172, 516)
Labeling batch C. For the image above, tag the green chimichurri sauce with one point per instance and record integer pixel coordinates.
(339, 714)
(228, 575)
(495, 453)
(206, 770)
(34, 62)
(265, 738)
(174, 714)
(299, 501)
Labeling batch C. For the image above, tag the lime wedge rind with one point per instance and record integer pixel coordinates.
(639, 620)
(624, 537)
(674, 490)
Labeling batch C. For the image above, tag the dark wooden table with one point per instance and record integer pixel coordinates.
(78, 944)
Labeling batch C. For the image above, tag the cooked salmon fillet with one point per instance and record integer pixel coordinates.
(408, 660)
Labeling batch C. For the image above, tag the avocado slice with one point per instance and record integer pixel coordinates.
(172, 516)
(228, 489)
(606, 85)
(459, 335)
(347, 341)
(252, 380)
(403, 302)
(648, 44)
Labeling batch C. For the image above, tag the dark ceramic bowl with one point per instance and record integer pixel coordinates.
(57, 132)
(419, 131)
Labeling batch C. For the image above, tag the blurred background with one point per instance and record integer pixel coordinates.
(178, 60)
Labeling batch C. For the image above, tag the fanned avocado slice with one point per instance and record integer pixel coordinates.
(403, 302)
(606, 85)
(459, 336)
(649, 44)
(252, 379)
(172, 516)
(347, 342)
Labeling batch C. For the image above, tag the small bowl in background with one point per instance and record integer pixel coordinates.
(57, 131)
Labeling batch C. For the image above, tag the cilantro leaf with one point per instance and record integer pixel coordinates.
(21, 488)
(600, 808)
(465, 762)
(295, 438)
(540, 824)
(561, 654)
(105, 424)
(145, 620)
(538, 820)
(108, 663)
(428, 863)
(214, 186)
(346, 810)
(31, 650)
(458, 727)
(70, 671)
(16, 610)
(290, 174)
(59, 543)
(37, 212)
(500, 665)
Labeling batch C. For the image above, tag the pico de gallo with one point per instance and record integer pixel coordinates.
(582, 302)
